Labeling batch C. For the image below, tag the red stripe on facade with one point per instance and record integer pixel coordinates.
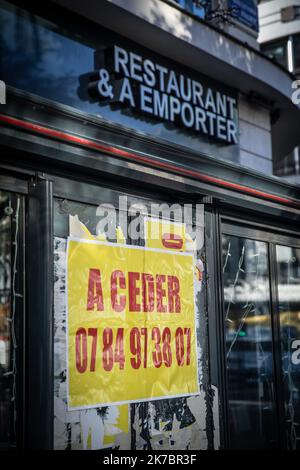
(141, 159)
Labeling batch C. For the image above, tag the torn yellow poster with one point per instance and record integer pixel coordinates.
(130, 324)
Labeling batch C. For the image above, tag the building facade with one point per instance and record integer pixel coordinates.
(147, 103)
(279, 39)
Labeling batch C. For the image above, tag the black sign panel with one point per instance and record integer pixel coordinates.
(151, 88)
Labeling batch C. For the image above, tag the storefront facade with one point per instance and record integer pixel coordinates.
(150, 107)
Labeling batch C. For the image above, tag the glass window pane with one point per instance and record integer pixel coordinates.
(197, 8)
(248, 335)
(296, 46)
(288, 269)
(276, 51)
(54, 59)
(6, 343)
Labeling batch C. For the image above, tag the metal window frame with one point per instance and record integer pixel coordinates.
(35, 281)
(39, 332)
(215, 317)
(273, 236)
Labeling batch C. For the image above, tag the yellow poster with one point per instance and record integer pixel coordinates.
(131, 324)
(164, 234)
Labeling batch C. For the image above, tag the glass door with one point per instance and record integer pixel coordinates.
(261, 321)
(288, 302)
(11, 297)
(248, 340)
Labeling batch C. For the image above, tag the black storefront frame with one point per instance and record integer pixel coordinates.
(273, 235)
(30, 153)
(39, 356)
(37, 156)
(215, 216)
(34, 289)
(40, 189)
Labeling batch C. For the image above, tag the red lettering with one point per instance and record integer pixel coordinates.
(156, 355)
(81, 350)
(179, 341)
(172, 240)
(93, 332)
(173, 294)
(119, 349)
(144, 332)
(107, 354)
(95, 295)
(187, 332)
(134, 291)
(148, 292)
(167, 353)
(118, 302)
(135, 348)
(180, 348)
(160, 293)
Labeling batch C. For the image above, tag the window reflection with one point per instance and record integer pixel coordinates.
(288, 272)
(5, 316)
(277, 51)
(296, 47)
(197, 8)
(55, 59)
(248, 337)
